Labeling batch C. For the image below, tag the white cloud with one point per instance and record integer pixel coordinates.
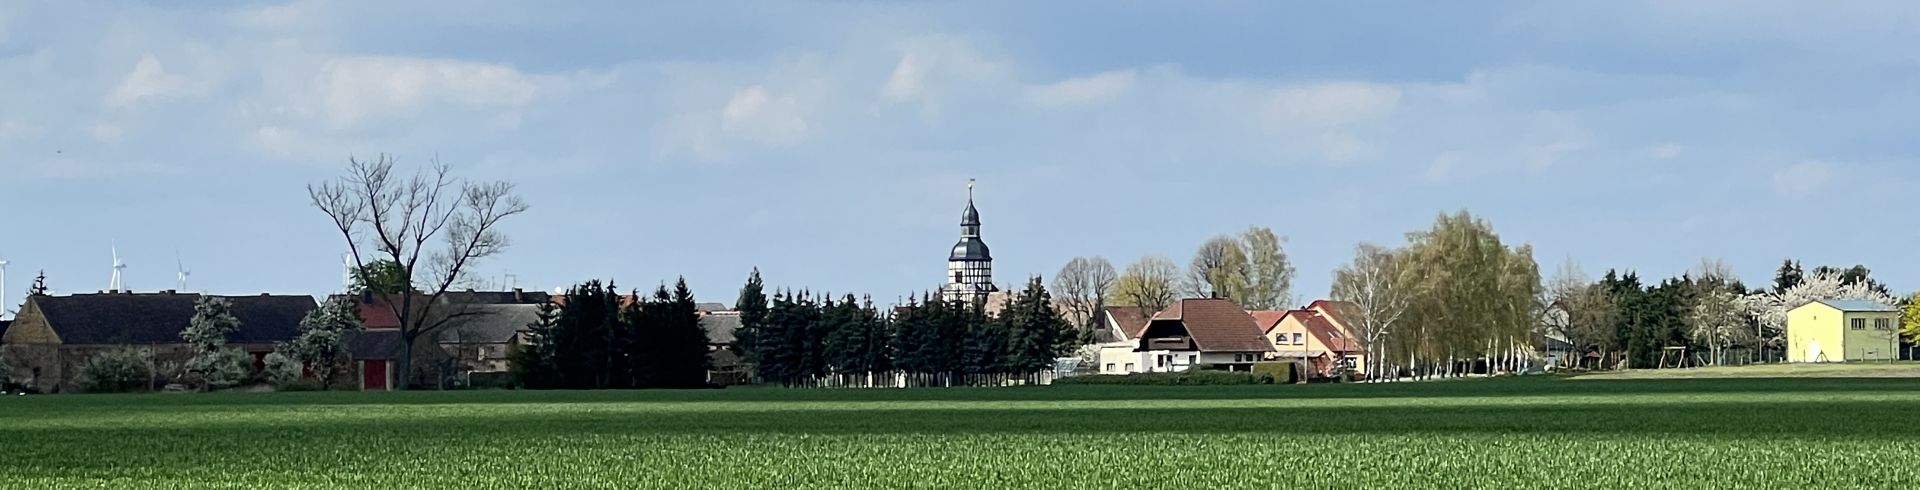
(148, 80)
(1334, 103)
(1665, 151)
(904, 83)
(1081, 91)
(354, 89)
(1803, 179)
(757, 116)
(106, 133)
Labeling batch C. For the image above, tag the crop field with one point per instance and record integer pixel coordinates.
(1505, 433)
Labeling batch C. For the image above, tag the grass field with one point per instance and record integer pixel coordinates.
(1500, 433)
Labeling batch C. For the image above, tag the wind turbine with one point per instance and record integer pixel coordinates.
(181, 273)
(116, 285)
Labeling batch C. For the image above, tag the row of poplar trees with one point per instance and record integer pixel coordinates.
(596, 338)
(803, 339)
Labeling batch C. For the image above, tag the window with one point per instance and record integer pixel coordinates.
(1859, 324)
(956, 277)
(1881, 324)
(1191, 359)
(1109, 367)
(1280, 339)
(1296, 338)
(1129, 367)
(1162, 360)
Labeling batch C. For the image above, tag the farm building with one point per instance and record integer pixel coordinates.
(1193, 332)
(1843, 330)
(53, 335)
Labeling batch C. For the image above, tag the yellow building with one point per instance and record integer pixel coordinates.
(1843, 330)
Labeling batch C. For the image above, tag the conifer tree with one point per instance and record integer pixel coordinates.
(752, 305)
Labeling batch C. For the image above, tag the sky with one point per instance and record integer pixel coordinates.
(829, 144)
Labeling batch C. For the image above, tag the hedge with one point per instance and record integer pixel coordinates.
(1188, 378)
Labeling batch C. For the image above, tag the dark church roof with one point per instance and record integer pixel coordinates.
(970, 217)
(970, 248)
(121, 318)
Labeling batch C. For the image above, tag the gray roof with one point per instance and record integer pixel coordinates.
(970, 217)
(1857, 305)
(489, 324)
(711, 307)
(970, 248)
(130, 318)
(720, 327)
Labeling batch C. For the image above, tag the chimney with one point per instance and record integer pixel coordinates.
(366, 296)
(519, 296)
(168, 292)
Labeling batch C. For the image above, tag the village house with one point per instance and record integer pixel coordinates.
(471, 332)
(1118, 340)
(724, 366)
(1313, 336)
(52, 336)
(1843, 330)
(1196, 332)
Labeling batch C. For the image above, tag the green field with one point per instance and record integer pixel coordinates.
(1501, 433)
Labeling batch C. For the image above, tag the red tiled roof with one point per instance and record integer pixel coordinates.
(1267, 319)
(1328, 333)
(1216, 325)
(1131, 319)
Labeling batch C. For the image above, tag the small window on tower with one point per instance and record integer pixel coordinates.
(957, 275)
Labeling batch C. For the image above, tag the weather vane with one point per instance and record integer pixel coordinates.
(969, 188)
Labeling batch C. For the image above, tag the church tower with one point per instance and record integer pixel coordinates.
(970, 266)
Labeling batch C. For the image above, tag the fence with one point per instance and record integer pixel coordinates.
(902, 379)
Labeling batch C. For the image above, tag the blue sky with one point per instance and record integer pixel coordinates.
(829, 144)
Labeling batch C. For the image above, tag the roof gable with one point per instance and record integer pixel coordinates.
(1127, 321)
(1215, 325)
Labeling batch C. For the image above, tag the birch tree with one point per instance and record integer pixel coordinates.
(1370, 284)
(1717, 318)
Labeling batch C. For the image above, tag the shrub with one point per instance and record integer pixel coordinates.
(222, 368)
(115, 371)
(1282, 372)
(1189, 378)
(282, 370)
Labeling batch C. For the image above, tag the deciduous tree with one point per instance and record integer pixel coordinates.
(1270, 274)
(1147, 283)
(432, 225)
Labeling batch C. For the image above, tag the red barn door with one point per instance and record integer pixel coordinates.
(373, 375)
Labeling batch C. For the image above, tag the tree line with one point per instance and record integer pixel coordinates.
(803, 339)
(596, 338)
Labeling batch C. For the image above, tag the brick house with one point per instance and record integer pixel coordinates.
(53, 335)
(1312, 336)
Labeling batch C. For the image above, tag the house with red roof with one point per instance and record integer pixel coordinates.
(1313, 336)
(1198, 331)
(1118, 340)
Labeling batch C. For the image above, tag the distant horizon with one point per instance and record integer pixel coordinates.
(829, 145)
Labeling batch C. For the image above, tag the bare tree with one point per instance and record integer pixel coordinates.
(1147, 283)
(1219, 270)
(1369, 292)
(383, 216)
(1084, 284)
